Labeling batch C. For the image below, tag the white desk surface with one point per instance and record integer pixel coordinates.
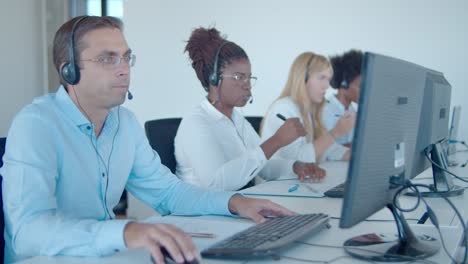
(334, 237)
(313, 251)
(332, 206)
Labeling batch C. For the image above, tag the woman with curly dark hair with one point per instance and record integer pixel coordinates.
(347, 81)
(215, 146)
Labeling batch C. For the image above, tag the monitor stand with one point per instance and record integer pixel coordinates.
(450, 150)
(443, 184)
(405, 246)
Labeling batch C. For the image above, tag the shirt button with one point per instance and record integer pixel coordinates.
(103, 175)
(88, 127)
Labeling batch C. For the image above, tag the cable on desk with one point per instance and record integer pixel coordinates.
(460, 142)
(409, 258)
(423, 218)
(380, 220)
(464, 164)
(464, 144)
(301, 259)
(323, 261)
(452, 141)
(440, 167)
(431, 215)
(392, 220)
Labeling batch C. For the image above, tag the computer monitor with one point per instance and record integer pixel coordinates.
(433, 135)
(382, 156)
(453, 131)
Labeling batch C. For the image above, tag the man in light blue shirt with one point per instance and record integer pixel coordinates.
(70, 155)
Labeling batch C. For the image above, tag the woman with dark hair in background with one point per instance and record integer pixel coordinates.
(347, 81)
(215, 146)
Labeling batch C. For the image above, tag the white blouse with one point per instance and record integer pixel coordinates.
(332, 112)
(215, 152)
(300, 149)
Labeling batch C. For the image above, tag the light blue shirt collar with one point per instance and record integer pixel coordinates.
(70, 109)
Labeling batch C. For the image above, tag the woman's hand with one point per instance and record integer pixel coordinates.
(308, 170)
(289, 131)
(345, 124)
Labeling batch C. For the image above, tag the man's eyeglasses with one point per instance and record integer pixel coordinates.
(114, 61)
(241, 77)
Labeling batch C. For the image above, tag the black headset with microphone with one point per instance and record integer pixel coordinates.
(214, 76)
(70, 71)
(306, 76)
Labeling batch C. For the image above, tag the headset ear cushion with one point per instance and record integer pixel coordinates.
(344, 84)
(213, 79)
(69, 74)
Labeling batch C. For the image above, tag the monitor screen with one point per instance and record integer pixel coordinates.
(383, 152)
(453, 131)
(386, 131)
(434, 118)
(431, 147)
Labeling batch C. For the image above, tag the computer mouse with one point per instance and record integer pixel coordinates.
(168, 258)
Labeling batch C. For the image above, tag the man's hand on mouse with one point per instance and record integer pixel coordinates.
(178, 244)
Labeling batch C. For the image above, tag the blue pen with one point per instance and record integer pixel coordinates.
(294, 188)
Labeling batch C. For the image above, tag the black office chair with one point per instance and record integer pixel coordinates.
(161, 134)
(2, 150)
(255, 122)
(2, 224)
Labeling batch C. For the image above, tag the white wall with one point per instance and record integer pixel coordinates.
(22, 58)
(273, 33)
(431, 33)
(26, 68)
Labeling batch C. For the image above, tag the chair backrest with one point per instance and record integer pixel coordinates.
(161, 134)
(2, 224)
(255, 122)
(2, 150)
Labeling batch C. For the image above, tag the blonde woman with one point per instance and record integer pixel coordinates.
(303, 97)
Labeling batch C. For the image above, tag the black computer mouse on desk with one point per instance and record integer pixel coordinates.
(168, 259)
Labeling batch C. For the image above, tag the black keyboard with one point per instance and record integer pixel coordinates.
(263, 239)
(336, 192)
